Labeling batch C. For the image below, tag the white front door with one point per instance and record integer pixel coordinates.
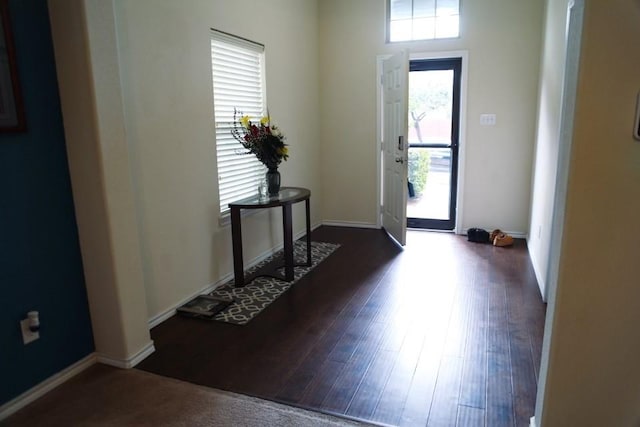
(395, 72)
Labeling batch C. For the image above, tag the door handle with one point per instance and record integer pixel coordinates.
(399, 160)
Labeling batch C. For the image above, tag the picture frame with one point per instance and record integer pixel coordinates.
(12, 117)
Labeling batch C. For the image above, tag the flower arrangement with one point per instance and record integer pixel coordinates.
(263, 139)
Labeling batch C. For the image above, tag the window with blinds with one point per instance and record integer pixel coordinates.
(238, 83)
(422, 19)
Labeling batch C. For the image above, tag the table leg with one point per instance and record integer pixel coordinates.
(288, 242)
(236, 237)
(308, 209)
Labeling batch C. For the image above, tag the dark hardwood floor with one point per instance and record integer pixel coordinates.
(443, 333)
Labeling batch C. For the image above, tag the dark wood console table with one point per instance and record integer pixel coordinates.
(285, 199)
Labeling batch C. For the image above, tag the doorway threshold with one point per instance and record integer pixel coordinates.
(433, 230)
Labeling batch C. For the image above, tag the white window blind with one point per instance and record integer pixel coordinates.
(238, 82)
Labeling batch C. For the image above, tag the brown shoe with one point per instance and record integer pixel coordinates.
(493, 234)
(503, 239)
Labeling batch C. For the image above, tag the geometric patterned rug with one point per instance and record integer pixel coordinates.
(251, 299)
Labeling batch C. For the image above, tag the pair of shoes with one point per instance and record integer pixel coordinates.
(478, 235)
(498, 238)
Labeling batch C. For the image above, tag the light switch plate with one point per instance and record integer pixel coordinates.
(488, 119)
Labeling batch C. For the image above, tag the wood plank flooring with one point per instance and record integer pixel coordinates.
(443, 333)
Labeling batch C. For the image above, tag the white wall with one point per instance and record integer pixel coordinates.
(593, 372)
(165, 68)
(86, 61)
(547, 138)
(503, 40)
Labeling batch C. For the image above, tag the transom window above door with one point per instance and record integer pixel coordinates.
(422, 19)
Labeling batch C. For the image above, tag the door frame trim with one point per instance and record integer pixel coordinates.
(464, 56)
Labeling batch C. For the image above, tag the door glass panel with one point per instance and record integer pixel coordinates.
(429, 183)
(431, 156)
(430, 106)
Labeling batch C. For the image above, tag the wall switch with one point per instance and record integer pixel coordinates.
(27, 335)
(488, 119)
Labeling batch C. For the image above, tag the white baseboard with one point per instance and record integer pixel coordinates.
(353, 224)
(542, 285)
(514, 234)
(170, 312)
(432, 230)
(131, 361)
(159, 318)
(45, 386)
(517, 234)
(532, 422)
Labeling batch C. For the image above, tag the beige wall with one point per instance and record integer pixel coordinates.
(165, 69)
(593, 371)
(547, 138)
(152, 79)
(503, 40)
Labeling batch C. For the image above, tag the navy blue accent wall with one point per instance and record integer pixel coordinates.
(40, 262)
